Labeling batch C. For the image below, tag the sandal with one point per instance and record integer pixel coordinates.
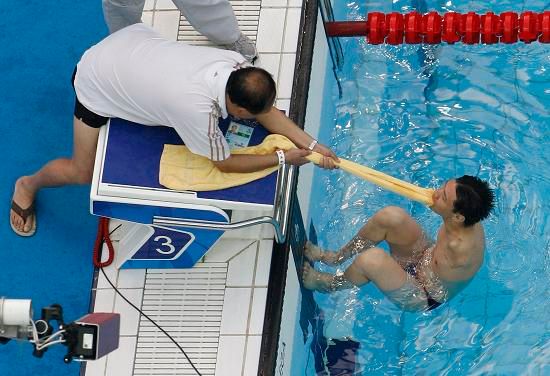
(24, 214)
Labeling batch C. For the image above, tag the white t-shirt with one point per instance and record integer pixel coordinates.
(137, 75)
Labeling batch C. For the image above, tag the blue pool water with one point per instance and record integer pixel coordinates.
(41, 41)
(426, 114)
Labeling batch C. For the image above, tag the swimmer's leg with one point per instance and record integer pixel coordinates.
(355, 246)
(323, 282)
(314, 253)
(374, 265)
(391, 224)
(395, 226)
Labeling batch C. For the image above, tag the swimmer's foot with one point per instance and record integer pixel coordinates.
(314, 253)
(22, 213)
(314, 280)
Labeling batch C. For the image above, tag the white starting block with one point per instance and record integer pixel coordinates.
(174, 229)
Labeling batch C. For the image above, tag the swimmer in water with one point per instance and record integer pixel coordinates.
(417, 274)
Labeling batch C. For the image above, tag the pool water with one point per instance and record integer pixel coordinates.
(426, 114)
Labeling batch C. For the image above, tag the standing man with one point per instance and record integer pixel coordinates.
(212, 18)
(137, 75)
(417, 274)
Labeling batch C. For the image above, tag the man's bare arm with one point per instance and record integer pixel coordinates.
(277, 122)
(253, 163)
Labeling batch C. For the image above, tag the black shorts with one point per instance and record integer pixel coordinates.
(86, 116)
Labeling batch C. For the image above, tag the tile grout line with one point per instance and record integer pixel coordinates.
(153, 12)
(220, 329)
(279, 77)
(243, 365)
(251, 307)
(139, 317)
(241, 251)
(254, 272)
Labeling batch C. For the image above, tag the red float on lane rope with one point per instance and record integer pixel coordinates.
(491, 28)
(432, 28)
(413, 28)
(469, 28)
(451, 26)
(395, 28)
(528, 27)
(377, 28)
(544, 27)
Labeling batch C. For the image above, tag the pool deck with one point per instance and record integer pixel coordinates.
(221, 329)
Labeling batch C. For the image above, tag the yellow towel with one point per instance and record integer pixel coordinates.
(182, 170)
(403, 188)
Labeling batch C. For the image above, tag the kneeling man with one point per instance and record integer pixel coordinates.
(137, 75)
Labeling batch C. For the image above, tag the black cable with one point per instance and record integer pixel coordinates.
(154, 323)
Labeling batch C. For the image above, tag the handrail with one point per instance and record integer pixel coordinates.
(283, 197)
(178, 222)
(279, 220)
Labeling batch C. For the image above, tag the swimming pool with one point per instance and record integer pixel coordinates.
(426, 114)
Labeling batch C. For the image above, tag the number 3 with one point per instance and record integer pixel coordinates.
(168, 243)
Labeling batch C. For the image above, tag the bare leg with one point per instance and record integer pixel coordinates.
(374, 265)
(62, 171)
(323, 282)
(355, 246)
(391, 224)
(314, 253)
(395, 226)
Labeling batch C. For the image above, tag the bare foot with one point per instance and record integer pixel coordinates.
(314, 280)
(24, 197)
(315, 253)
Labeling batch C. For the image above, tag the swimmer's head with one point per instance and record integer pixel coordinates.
(251, 91)
(474, 199)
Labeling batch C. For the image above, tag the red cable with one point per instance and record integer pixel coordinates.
(103, 236)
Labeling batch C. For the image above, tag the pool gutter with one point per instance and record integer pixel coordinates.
(281, 252)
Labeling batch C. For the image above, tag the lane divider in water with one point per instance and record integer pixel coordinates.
(451, 27)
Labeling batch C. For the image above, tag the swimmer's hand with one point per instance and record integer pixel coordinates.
(329, 159)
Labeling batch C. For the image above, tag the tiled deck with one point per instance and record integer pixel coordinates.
(215, 311)
(220, 324)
